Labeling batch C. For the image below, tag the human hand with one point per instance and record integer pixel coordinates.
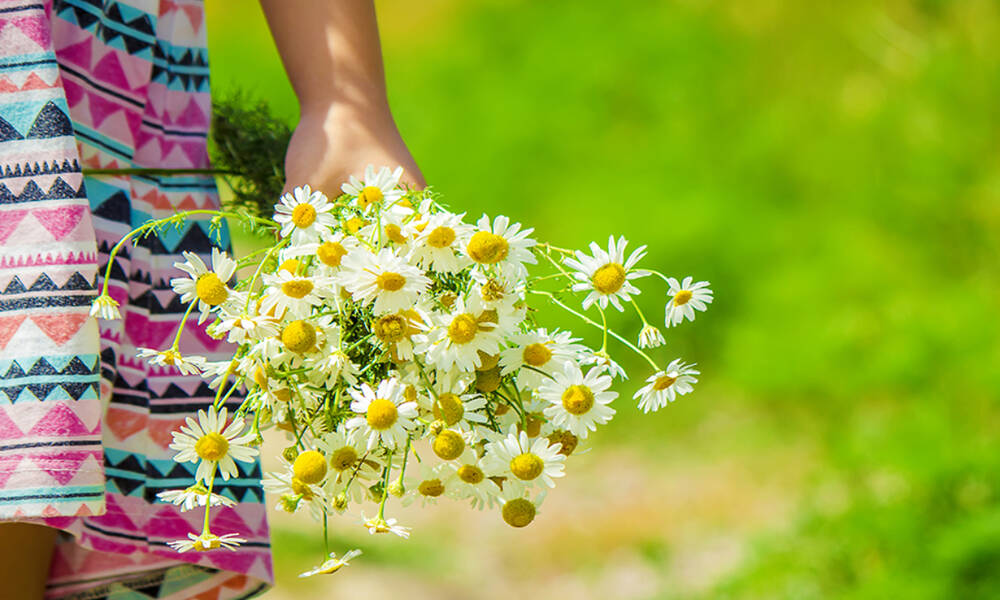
(333, 143)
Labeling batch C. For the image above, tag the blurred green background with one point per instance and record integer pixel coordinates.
(834, 170)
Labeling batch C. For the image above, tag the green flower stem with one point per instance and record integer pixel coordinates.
(208, 500)
(639, 311)
(180, 328)
(385, 487)
(260, 267)
(589, 321)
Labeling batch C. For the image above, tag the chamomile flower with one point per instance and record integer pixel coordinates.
(578, 402)
(461, 338)
(439, 245)
(293, 490)
(241, 327)
(427, 485)
(501, 244)
(194, 496)
(187, 365)
(376, 187)
(538, 355)
(209, 442)
(348, 459)
(468, 481)
(105, 307)
(607, 275)
(305, 215)
(455, 407)
(603, 361)
(517, 507)
(395, 331)
(207, 541)
(377, 524)
(529, 461)
(328, 252)
(384, 414)
(685, 298)
(333, 564)
(664, 386)
(208, 287)
(650, 337)
(292, 296)
(333, 365)
(384, 278)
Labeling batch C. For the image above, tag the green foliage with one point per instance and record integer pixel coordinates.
(248, 145)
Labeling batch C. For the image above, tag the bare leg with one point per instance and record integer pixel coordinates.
(25, 554)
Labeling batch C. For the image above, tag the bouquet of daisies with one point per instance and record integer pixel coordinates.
(398, 346)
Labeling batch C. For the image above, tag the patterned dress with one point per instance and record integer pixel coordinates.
(84, 425)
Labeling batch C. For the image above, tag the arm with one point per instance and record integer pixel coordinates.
(331, 52)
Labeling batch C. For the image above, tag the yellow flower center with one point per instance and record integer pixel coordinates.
(390, 281)
(526, 466)
(291, 265)
(518, 512)
(471, 474)
(283, 395)
(309, 467)
(391, 329)
(431, 488)
(299, 336)
(300, 488)
(663, 382)
(442, 237)
(449, 408)
(463, 329)
(354, 224)
(207, 542)
(368, 196)
(260, 378)
(394, 233)
(344, 458)
(492, 291)
(211, 446)
(297, 288)
(487, 248)
(567, 439)
(682, 297)
(609, 278)
(536, 354)
(330, 253)
(448, 445)
(303, 215)
(577, 399)
(170, 357)
(210, 289)
(382, 414)
(488, 381)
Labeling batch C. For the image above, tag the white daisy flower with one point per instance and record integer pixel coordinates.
(241, 328)
(453, 405)
(517, 508)
(210, 442)
(381, 186)
(685, 298)
(207, 541)
(293, 490)
(388, 280)
(351, 466)
(292, 296)
(395, 331)
(105, 307)
(603, 361)
(650, 337)
(439, 245)
(331, 366)
(538, 355)
(468, 481)
(607, 274)
(305, 215)
(385, 416)
(187, 365)
(663, 387)
(578, 402)
(428, 485)
(194, 496)
(530, 461)
(328, 252)
(377, 524)
(209, 287)
(333, 564)
(501, 244)
(462, 338)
